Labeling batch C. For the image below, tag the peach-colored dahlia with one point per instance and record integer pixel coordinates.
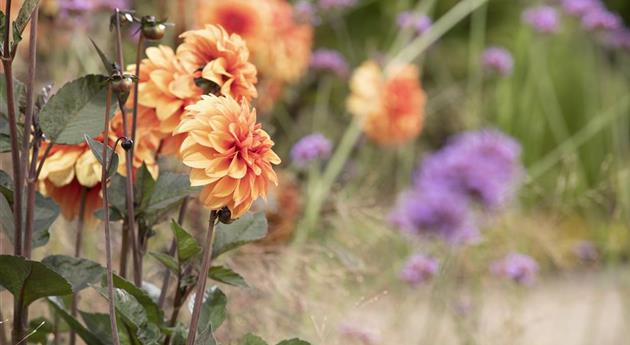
(389, 106)
(229, 153)
(213, 54)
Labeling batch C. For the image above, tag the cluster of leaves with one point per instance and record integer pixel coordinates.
(58, 276)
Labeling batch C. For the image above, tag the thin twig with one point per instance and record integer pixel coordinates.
(171, 252)
(40, 165)
(108, 243)
(134, 119)
(202, 280)
(78, 241)
(28, 169)
(7, 63)
(129, 195)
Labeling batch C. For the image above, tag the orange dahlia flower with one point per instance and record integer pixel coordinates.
(67, 169)
(280, 45)
(389, 106)
(229, 153)
(148, 136)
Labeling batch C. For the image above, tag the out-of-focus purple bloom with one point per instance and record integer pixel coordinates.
(357, 333)
(498, 60)
(586, 251)
(520, 268)
(483, 165)
(579, 8)
(601, 19)
(418, 22)
(543, 19)
(330, 60)
(618, 39)
(336, 4)
(310, 148)
(435, 212)
(418, 269)
(305, 12)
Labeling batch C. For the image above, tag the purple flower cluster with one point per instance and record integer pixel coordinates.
(601, 19)
(596, 17)
(579, 8)
(481, 166)
(336, 4)
(417, 22)
(330, 60)
(586, 251)
(520, 268)
(70, 7)
(498, 60)
(311, 148)
(543, 19)
(363, 335)
(305, 12)
(418, 269)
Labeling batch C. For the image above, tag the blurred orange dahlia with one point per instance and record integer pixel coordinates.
(389, 106)
(229, 153)
(280, 45)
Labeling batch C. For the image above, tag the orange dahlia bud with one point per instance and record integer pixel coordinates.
(222, 58)
(229, 153)
(389, 106)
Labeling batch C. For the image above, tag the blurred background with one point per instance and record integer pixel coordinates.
(547, 266)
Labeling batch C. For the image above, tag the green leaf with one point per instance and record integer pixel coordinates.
(117, 192)
(26, 11)
(88, 337)
(5, 137)
(152, 310)
(2, 28)
(79, 272)
(170, 188)
(212, 313)
(19, 91)
(38, 330)
(31, 279)
(100, 326)
(107, 63)
(294, 341)
(226, 275)
(248, 228)
(166, 260)
(97, 151)
(78, 108)
(134, 315)
(187, 245)
(251, 339)
(46, 212)
(143, 186)
(205, 337)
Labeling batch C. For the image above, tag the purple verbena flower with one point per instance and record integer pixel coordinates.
(408, 20)
(336, 4)
(586, 251)
(579, 8)
(601, 19)
(520, 268)
(330, 60)
(305, 12)
(482, 165)
(310, 148)
(543, 19)
(498, 60)
(435, 213)
(618, 39)
(355, 332)
(418, 269)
